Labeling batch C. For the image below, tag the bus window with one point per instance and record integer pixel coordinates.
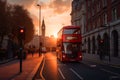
(70, 48)
(71, 31)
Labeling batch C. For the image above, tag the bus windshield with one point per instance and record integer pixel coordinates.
(70, 48)
(71, 31)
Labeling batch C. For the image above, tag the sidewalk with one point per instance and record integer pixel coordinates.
(94, 57)
(11, 70)
(7, 60)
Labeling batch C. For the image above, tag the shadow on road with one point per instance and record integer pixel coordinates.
(12, 77)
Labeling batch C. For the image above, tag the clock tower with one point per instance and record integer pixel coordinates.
(43, 31)
(43, 28)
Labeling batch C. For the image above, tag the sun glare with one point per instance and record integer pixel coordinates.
(55, 35)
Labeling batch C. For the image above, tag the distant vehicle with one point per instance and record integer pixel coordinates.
(44, 50)
(69, 44)
(53, 49)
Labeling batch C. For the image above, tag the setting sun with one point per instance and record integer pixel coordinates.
(59, 14)
(55, 35)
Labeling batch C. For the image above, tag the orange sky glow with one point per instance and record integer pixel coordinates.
(56, 13)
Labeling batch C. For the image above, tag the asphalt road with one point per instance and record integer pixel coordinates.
(53, 69)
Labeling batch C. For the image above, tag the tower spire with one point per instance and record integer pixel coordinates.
(43, 28)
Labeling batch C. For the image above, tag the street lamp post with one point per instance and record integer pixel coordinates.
(109, 41)
(39, 26)
(108, 25)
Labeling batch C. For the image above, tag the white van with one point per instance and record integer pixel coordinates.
(44, 50)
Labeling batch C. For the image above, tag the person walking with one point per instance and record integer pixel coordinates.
(32, 50)
(101, 49)
(101, 54)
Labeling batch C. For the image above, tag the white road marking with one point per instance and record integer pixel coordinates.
(88, 64)
(93, 65)
(114, 77)
(110, 72)
(81, 78)
(61, 73)
(42, 68)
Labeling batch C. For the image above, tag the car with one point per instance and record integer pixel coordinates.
(44, 50)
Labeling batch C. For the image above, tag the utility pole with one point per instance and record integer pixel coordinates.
(39, 27)
(21, 38)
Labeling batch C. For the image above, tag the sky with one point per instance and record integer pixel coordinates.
(56, 13)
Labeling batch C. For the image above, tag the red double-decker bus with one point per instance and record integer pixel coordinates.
(69, 44)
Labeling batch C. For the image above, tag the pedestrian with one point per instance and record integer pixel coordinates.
(101, 49)
(32, 51)
(101, 54)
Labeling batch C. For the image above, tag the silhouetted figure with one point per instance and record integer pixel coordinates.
(101, 52)
(32, 51)
(101, 49)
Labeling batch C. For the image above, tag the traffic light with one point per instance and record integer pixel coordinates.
(21, 33)
(101, 43)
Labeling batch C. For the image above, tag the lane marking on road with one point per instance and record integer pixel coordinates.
(81, 78)
(42, 69)
(114, 77)
(61, 73)
(89, 65)
(110, 72)
(115, 66)
(92, 65)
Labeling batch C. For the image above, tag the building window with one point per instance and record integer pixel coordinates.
(105, 18)
(89, 27)
(98, 22)
(89, 13)
(113, 0)
(77, 23)
(93, 11)
(114, 14)
(88, 3)
(98, 7)
(104, 3)
(93, 25)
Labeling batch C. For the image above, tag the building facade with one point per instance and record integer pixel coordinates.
(78, 14)
(100, 22)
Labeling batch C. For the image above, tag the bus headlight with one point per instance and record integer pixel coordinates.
(63, 56)
(80, 56)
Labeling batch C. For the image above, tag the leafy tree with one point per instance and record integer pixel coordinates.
(11, 18)
(22, 18)
(3, 27)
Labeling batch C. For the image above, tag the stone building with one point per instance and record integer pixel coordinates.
(99, 21)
